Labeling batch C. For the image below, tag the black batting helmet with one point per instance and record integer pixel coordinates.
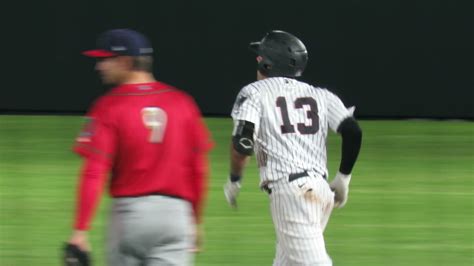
(283, 54)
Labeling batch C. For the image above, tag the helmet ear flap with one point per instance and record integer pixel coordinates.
(265, 66)
(292, 62)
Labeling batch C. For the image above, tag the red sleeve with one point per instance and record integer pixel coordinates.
(97, 144)
(91, 183)
(202, 144)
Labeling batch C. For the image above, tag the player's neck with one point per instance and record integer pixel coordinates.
(260, 76)
(138, 77)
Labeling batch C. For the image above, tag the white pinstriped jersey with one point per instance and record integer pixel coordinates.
(291, 125)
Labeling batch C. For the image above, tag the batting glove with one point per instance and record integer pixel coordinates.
(340, 186)
(231, 191)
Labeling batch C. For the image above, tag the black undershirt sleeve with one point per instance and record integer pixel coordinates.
(351, 141)
(243, 139)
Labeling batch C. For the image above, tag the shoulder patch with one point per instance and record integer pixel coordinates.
(241, 100)
(87, 131)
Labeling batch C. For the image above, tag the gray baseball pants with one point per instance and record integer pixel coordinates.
(150, 231)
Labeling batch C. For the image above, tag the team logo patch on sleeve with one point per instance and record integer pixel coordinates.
(87, 131)
(241, 100)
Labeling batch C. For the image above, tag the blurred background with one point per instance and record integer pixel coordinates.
(406, 65)
(392, 58)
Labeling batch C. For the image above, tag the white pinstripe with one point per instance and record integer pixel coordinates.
(299, 214)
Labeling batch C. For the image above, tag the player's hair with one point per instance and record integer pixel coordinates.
(143, 63)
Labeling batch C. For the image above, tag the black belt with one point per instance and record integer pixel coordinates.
(291, 178)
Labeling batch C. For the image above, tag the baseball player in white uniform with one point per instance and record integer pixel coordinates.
(285, 122)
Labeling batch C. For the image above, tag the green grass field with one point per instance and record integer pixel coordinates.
(411, 200)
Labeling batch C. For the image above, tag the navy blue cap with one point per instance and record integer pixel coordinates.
(119, 42)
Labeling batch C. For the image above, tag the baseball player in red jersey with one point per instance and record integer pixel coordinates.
(152, 140)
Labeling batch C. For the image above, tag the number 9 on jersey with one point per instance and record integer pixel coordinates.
(155, 119)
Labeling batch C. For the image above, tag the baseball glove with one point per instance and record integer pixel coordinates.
(73, 256)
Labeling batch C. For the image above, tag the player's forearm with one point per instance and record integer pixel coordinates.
(238, 162)
(351, 135)
(90, 188)
(200, 184)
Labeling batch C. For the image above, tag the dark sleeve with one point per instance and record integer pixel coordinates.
(351, 141)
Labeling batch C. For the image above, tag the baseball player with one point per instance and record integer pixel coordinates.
(285, 122)
(151, 138)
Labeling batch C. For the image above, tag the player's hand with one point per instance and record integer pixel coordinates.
(79, 239)
(76, 250)
(231, 191)
(198, 238)
(340, 186)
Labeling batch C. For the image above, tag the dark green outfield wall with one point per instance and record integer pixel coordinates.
(389, 58)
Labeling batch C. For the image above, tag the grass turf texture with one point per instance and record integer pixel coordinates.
(411, 199)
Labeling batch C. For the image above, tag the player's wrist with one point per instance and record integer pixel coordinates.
(80, 232)
(235, 178)
(342, 179)
(343, 176)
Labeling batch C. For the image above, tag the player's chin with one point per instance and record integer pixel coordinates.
(107, 80)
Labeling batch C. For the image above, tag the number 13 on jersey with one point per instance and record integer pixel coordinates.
(311, 114)
(155, 120)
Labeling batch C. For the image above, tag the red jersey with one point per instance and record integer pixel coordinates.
(152, 139)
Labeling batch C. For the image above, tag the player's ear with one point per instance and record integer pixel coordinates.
(127, 62)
